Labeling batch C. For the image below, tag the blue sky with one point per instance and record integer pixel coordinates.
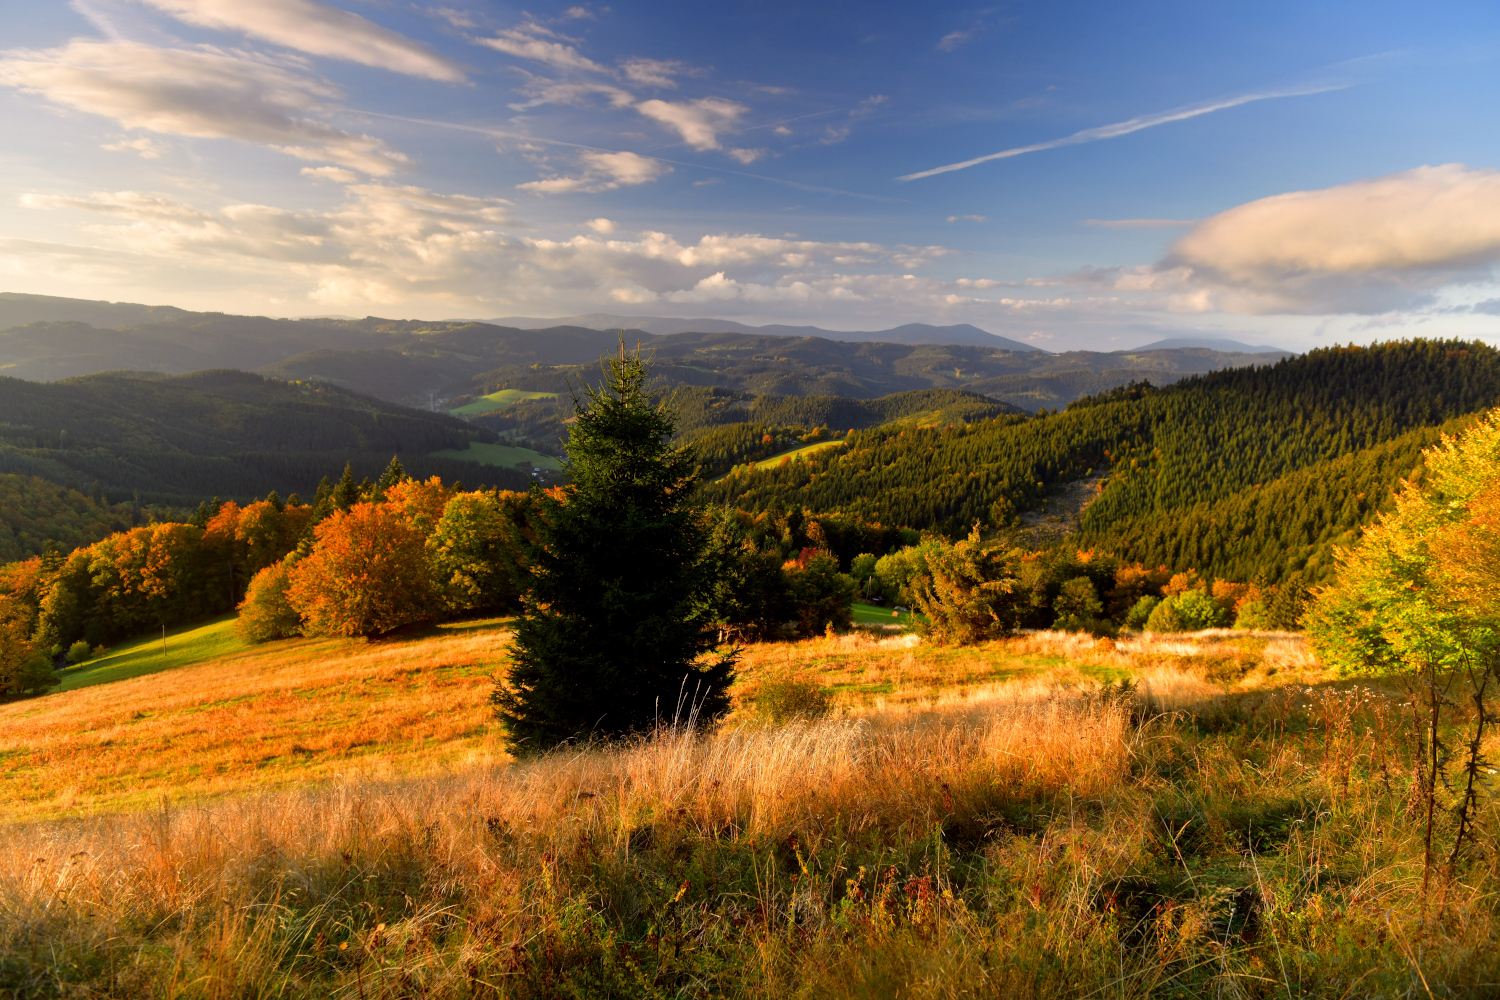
(1294, 173)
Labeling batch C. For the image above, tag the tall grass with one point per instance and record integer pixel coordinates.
(1028, 841)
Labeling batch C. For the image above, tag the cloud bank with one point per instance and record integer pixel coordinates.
(1363, 247)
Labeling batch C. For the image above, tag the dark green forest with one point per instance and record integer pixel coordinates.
(1172, 455)
(177, 440)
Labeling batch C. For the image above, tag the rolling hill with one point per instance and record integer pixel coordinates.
(178, 439)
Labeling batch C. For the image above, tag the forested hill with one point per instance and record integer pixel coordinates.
(179, 439)
(1201, 440)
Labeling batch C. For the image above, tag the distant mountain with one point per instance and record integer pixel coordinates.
(663, 326)
(20, 308)
(1212, 343)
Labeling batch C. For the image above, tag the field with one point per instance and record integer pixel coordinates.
(870, 614)
(500, 454)
(499, 401)
(183, 647)
(1044, 816)
(797, 454)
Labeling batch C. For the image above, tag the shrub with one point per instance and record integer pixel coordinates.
(1186, 611)
(1079, 609)
(1164, 618)
(1252, 615)
(78, 652)
(971, 594)
(1199, 611)
(265, 613)
(23, 669)
(782, 701)
(1140, 611)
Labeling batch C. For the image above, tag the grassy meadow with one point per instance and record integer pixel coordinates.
(507, 455)
(1042, 816)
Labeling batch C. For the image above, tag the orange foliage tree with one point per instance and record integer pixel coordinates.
(366, 575)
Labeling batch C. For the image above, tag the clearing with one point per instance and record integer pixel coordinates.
(184, 647)
(501, 454)
(499, 401)
(797, 454)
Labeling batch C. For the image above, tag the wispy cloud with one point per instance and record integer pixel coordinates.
(1132, 125)
(318, 29)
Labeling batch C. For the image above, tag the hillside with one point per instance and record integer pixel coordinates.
(180, 439)
(1201, 441)
(36, 515)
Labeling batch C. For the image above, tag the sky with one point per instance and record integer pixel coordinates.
(1073, 175)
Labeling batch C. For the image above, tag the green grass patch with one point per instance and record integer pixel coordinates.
(499, 401)
(185, 646)
(500, 454)
(797, 454)
(869, 614)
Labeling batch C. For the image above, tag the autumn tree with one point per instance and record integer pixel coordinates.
(23, 668)
(366, 575)
(475, 550)
(609, 641)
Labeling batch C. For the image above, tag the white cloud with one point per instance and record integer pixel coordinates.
(601, 225)
(782, 130)
(576, 94)
(144, 147)
(318, 29)
(200, 92)
(336, 174)
(745, 156)
(524, 43)
(958, 218)
(602, 172)
(1127, 127)
(953, 39)
(698, 122)
(1368, 246)
(653, 72)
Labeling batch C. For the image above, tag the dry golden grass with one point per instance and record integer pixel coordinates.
(208, 870)
(285, 713)
(875, 673)
(310, 711)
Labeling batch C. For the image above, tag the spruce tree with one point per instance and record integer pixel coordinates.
(346, 493)
(394, 473)
(609, 643)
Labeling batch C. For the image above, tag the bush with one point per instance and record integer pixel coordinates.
(1189, 611)
(265, 613)
(1079, 609)
(1199, 611)
(792, 699)
(1140, 611)
(78, 652)
(1253, 615)
(972, 594)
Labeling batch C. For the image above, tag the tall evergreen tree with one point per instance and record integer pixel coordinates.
(346, 493)
(609, 642)
(394, 473)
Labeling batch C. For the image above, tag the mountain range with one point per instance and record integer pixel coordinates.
(664, 326)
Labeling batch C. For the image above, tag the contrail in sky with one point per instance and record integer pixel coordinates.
(1133, 125)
